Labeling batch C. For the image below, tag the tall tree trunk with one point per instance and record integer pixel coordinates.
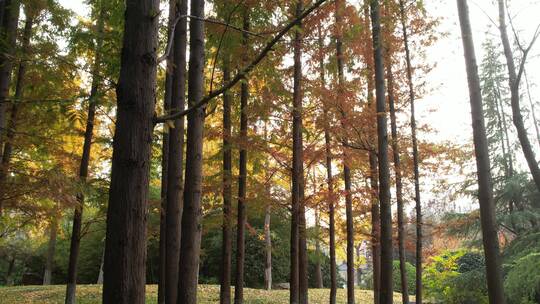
(226, 249)
(49, 259)
(399, 188)
(165, 159)
(373, 168)
(19, 91)
(83, 168)
(298, 106)
(329, 180)
(298, 277)
(485, 191)
(318, 253)
(242, 178)
(416, 159)
(339, 8)
(375, 226)
(268, 249)
(190, 245)
(8, 34)
(386, 293)
(175, 189)
(514, 79)
(125, 245)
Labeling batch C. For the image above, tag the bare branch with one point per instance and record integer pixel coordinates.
(242, 74)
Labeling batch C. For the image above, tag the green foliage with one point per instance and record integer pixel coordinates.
(411, 277)
(522, 284)
(456, 277)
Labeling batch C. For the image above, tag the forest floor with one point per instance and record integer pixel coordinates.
(91, 294)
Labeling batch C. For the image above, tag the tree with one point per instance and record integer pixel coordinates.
(191, 217)
(8, 32)
(485, 191)
(242, 178)
(386, 294)
(85, 159)
(514, 79)
(399, 184)
(173, 209)
(416, 159)
(125, 246)
(340, 6)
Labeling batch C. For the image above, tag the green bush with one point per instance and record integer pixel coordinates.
(522, 283)
(456, 277)
(411, 277)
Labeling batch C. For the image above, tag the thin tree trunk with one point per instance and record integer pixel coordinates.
(176, 157)
(531, 104)
(318, 253)
(125, 245)
(399, 188)
(242, 178)
(302, 236)
(298, 277)
(373, 168)
(191, 218)
(165, 161)
(268, 249)
(386, 291)
(83, 168)
(226, 249)
(375, 226)
(416, 159)
(298, 107)
(329, 181)
(8, 33)
(485, 191)
(339, 7)
(514, 79)
(49, 261)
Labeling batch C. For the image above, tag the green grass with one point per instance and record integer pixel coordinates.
(90, 294)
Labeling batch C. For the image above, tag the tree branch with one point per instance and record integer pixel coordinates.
(242, 74)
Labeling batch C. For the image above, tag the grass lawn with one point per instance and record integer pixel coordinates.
(90, 294)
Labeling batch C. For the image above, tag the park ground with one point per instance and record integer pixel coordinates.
(91, 294)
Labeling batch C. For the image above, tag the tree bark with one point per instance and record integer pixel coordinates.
(83, 168)
(514, 79)
(165, 160)
(318, 253)
(416, 159)
(190, 245)
(226, 249)
(19, 91)
(49, 261)
(125, 246)
(176, 157)
(339, 7)
(329, 180)
(399, 188)
(8, 33)
(485, 191)
(242, 178)
(9, 274)
(386, 291)
(298, 276)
